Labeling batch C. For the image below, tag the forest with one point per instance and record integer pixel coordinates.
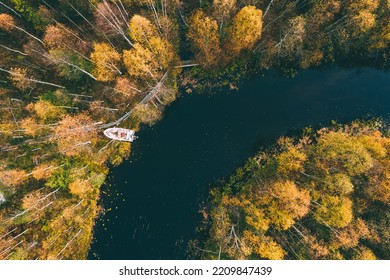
(70, 68)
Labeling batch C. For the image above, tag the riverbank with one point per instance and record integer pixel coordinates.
(323, 195)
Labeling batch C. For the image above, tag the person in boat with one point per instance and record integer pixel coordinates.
(122, 134)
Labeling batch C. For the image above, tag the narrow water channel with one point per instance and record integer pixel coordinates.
(153, 199)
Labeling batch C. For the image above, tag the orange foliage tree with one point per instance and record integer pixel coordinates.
(75, 134)
(6, 22)
(13, 177)
(59, 36)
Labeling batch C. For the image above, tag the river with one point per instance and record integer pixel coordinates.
(153, 199)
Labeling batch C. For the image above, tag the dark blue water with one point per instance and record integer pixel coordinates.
(154, 198)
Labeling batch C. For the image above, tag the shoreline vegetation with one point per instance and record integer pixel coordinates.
(67, 68)
(322, 195)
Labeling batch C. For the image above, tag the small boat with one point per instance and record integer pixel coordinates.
(120, 134)
(2, 198)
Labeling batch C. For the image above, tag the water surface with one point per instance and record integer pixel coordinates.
(153, 199)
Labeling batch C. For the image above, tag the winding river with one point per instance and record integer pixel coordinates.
(153, 199)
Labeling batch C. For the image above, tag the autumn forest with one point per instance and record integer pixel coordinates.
(71, 68)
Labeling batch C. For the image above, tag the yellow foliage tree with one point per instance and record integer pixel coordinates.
(204, 37)
(140, 62)
(340, 184)
(342, 152)
(164, 53)
(334, 211)
(285, 203)
(264, 246)
(375, 143)
(291, 160)
(142, 30)
(245, 30)
(364, 21)
(256, 217)
(362, 14)
(80, 187)
(106, 60)
(46, 111)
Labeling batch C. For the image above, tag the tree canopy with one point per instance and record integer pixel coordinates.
(246, 29)
(106, 60)
(204, 37)
(283, 205)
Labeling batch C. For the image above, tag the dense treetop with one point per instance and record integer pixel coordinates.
(325, 195)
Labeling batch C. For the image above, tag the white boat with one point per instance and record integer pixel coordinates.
(2, 198)
(120, 134)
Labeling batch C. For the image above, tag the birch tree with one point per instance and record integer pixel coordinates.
(203, 35)
(106, 60)
(141, 30)
(245, 30)
(6, 22)
(140, 62)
